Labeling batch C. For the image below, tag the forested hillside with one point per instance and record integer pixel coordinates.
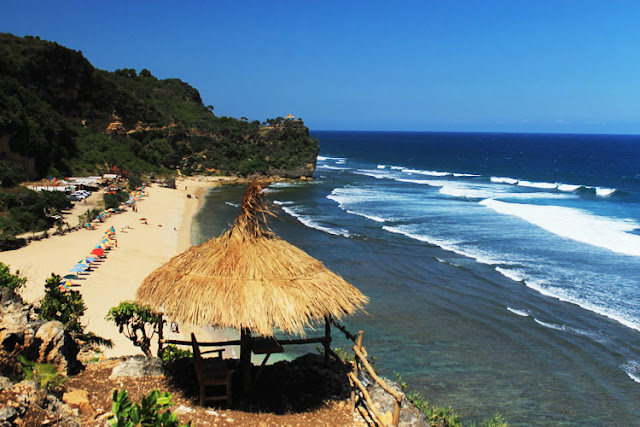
(61, 116)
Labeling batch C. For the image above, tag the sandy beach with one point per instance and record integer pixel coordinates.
(141, 248)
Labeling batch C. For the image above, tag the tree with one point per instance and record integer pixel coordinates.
(65, 306)
(137, 322)
(8, 280)
(11, 174)
(147, 413)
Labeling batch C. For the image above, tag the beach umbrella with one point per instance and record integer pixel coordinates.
(251, 280)
(70, 276)
(97, 251)
(77, 269)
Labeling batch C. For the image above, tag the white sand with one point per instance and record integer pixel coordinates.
(141, 249)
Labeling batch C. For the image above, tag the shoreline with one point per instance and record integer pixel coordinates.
(141, 248)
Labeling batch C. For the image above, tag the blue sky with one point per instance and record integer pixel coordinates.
(482, 65)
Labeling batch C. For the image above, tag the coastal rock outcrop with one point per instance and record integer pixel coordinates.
(39, 341)
(139, 366)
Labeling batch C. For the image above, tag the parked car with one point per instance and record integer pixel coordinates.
(81, 194)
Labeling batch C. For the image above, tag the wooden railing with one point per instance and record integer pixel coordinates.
(360, 397)
(369, 412)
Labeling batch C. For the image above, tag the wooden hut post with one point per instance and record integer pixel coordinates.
(160, 336)
(245, 359)
(327, 338)
(358, 343)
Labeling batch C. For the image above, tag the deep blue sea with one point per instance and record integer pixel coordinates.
(503, 269)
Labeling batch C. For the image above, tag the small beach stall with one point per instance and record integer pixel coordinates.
(251, 280)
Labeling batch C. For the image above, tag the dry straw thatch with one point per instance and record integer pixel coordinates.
(248, 278)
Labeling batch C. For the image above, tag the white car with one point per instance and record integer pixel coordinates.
(82, 194)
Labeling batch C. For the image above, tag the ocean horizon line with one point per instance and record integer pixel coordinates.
(449, 132)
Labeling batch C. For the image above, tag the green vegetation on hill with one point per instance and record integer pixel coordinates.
(55, 108)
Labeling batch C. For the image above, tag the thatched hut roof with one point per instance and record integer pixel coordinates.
(249, 278)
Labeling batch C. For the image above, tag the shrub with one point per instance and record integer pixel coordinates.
(172, 352)
(137, 322)
(128, 414)
(114, 200)
(66, 307)
(437, 416)
(44, 375)
(8, 280)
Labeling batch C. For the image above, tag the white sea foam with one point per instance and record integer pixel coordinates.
(475, 191)
(347, 196)
(632, 369)
(568, 187)
(371, 217)
(465, 192)
(375, 173)
(235, 205)
(447, 245)
(604, 232)
(419, 181)
(600, 191)
(501, 180)
(305, 220)
(542, 185)
(425, 172)
(324, 158)
(329, 167)
(594, 335)
(518, 312)
(550, 325)
(562, 295)
(382, 166)
(465, 175)
(514, 275)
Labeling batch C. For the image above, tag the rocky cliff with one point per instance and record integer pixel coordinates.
(59, 115)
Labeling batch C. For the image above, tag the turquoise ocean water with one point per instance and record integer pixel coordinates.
(503, 269)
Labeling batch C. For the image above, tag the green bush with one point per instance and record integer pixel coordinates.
(44, 375)
(8, 280)
(171, 352)
(137, 322)
(443, 416)
(66, 307)
(148, 413)
(114, 200)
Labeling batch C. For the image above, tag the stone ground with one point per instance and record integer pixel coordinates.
(290, 398)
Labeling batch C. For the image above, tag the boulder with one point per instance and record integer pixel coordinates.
(56, 346)
(76, 398)
(5, 383)
(40, 341)
(410, 416)
(139, 366)
(7, 416)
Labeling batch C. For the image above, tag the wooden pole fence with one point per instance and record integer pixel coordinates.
(367, 398)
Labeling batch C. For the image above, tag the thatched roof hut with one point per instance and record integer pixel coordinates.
(248, 278)
(251, 280)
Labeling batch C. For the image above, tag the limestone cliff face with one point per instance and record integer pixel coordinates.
(56, 118)
(39, 341)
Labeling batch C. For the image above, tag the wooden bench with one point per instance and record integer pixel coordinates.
(211, 372)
